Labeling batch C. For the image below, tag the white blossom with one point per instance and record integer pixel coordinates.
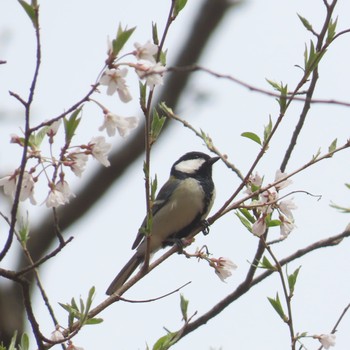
(78, 162)
(286, 207)
(55, 199)
(255, 181)
(99, 149)
(327, 340)
(27, 190)
(9, 184)
(153, 73)
(53, 128)
(224, 267)
(259, 226)
(286, 227)
(59, 194)
(114, 80)
(279, 175)
(56, 335)
(269, 195)
(146, 51)
(123, 124)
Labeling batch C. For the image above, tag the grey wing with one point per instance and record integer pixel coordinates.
(162, 198)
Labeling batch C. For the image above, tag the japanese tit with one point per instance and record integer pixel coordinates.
(181, 204)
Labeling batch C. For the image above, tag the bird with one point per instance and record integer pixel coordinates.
(182, 203)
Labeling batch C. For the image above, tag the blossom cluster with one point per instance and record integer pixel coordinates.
(73, 158)
(268, 201)
(146, 69)
(114, 78)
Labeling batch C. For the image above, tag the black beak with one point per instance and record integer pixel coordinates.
(212, 160)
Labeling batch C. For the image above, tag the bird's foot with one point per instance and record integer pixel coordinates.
(205, 227)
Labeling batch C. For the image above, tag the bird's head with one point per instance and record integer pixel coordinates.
(193, 164)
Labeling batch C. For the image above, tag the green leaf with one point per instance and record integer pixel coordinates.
(276, 304)
(24, 342)
(331, 30)
(207, 139)
(67, 307)
(23, 230)
(283, 98)
(82, 306)
(90, 298)
(12, 345)
(30, 11)
(305, 23)
(247, 215)
(265, 264)
(123, 36)
(145, 169)
(315, 156)
(246, 223)
(312, 58)
(274, 84)
(156, 125)
(71, 124)
(92, 321)
(166, 341)
(162, 57)
(154, 185)
(38, 138)
(184, 306)
(273, 223)
(292, 280)
(267, 129)
(143, 88)
(179, 6)
(74, 304)
(252, 136)
(333, 146)
(347, 185)
(155, 34)
(340, 208)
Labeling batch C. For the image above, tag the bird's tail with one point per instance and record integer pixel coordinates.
(125, 273)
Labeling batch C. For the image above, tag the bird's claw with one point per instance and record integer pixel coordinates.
(205, 225)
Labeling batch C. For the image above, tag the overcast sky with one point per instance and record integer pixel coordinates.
(261, 39)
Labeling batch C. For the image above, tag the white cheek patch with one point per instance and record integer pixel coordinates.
(189, 166)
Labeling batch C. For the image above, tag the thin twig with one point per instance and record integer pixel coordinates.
(133, 301)
(253, 88)
(244, 287)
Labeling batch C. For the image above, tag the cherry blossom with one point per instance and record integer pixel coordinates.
(27, 191)
(77, 162)
(59, 194)
(259, 226)
(279, 175)
(56, 335)
(146, 51)
(53, 128)
(9, 184)
(99, 149)
(223, 267)
(114, 80)
(327, 340)
(286, 207)
(286, 226)
(113, 122)
(153, 73)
